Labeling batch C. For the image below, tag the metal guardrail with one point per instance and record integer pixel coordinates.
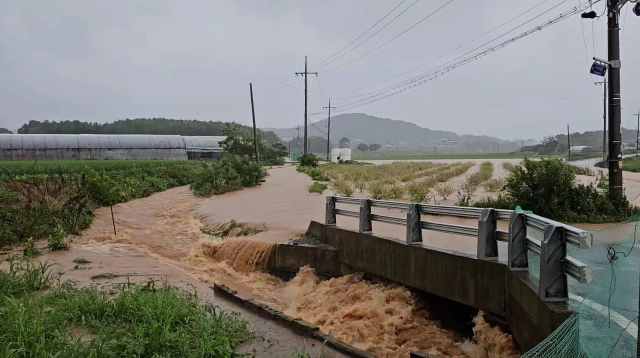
(555, 265)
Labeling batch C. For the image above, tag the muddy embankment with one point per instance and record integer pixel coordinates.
(386, 320)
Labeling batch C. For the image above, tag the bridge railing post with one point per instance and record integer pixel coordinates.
(414, 231)
(330, 214)
(517, 255)
(365, 216)
(553, 285)
(487, 237)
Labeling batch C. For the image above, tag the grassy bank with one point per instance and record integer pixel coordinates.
(38, 198)
(41, 318)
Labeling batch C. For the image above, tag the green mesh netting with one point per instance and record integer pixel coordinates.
(605, 323)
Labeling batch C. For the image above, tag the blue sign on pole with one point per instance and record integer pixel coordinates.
(636, 9)
(599, 69)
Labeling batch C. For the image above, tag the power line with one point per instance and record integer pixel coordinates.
(277, 88)
(359, 19)
(320, 86)
(439, 71)
(372, 35)
(431, 61)
(357, 38)
(436, 69)
(402, 33)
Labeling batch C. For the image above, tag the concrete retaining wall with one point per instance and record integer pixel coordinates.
(485, 285)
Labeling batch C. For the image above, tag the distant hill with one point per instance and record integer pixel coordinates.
(360, 127)
(164, 126)
(5, 131)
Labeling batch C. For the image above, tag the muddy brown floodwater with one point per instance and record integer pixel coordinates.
(387, 321)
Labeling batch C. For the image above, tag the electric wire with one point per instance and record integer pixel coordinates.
(448, 53)
(357, 38)
(276, 88)
(400, 34)
(365, 40)
(443, 69)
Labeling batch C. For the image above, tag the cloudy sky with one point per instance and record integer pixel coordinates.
(107, 60)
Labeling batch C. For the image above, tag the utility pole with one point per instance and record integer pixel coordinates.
(569, 141)
(305, 73)
(638, 133)
(298, 140)
(253, 113)
(329, 132)
(604, 120)
(615, 101)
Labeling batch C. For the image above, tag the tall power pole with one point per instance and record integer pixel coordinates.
(638, 133)
(569, 141)
(615, 102)
(329, 132)
(255, 135)
(604, 121)
(305, 73)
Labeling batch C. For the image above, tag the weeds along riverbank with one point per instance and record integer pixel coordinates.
(39, 198)
(41, 317)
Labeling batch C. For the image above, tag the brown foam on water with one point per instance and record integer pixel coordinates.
(382, 320)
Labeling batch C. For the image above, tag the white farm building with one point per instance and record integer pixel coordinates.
(102, 147)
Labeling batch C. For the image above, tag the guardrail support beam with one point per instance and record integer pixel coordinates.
(330, 216)
(517, 256)
(365, 216)
(414, 231)
(487, 243)
(553, 252)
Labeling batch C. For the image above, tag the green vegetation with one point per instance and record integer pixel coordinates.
(309, 160)
(343, 187)
(38, 199)
(81, 261)
(548, 188)
(631, 164)
(314, 172)
(508, 166)
(5, 131)
(229, 174)
(31, 248)
(318, 188)
(444, 190)
(494, 185)
(57, 239)
(240, 142)
(142, 126)
(149, 320)
(580, 170)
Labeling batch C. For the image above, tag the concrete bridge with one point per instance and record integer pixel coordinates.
(530, 307)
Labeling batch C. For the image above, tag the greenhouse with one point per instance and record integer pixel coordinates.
(103, 147)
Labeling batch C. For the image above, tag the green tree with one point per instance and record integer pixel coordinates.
(362, 147)
(240, 142)
(345, 142)
(5, 131)
(373, 147)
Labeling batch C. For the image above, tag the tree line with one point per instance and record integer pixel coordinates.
(158, 126)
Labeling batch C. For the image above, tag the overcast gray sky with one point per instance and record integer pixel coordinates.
(107, 60)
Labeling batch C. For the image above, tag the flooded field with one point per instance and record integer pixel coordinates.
(175, 228)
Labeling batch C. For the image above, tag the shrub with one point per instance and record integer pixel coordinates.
(31, 249)
(395, 192)
(494, 185)
(444, 190)
(547, 188)
(343, 187)
(57, 240)
(580, 170)
(318, 188)
(501, 202)
(309, 160)
(230, 173)
(508, 166)
(418, 191)
(378, 190)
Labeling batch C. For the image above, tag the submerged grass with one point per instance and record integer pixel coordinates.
(150, 320)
